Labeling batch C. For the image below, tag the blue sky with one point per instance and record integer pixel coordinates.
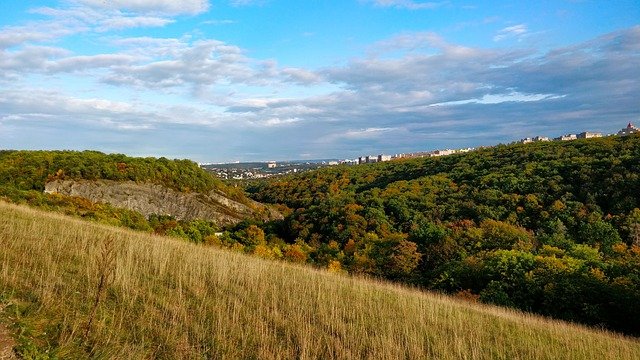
(273, 79)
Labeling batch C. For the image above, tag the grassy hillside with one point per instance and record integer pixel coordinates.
(162, 298)
(551, 228)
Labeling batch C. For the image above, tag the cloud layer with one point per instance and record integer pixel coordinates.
(169, 7)
(408, 4)
(212, 100)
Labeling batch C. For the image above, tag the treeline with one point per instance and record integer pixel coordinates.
(30, 170)
(552, 228)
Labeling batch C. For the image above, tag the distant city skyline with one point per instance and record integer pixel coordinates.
(244, 80)
(630, 129)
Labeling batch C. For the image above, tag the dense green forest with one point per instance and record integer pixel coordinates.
(23, 175)
(552, 228)
(30, 170)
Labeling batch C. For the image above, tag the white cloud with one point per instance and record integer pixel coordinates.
(50, 60)
(23, 104)
(123, 22)
(370, 135)
(246, 2)
(203, 63)
(27, 60)
(200, 64)
(40, 31)
(501, 98)
(80, 63)
(30, 104)
(430, 42)
(515, 31)
(368, 132)
(10, 36)
(278, 121)
(169, 7)
(151, 47)
(301, 76)
(68, 21)
(408, 4)
(218, 22)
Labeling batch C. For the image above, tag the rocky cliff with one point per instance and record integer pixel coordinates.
(150, 199)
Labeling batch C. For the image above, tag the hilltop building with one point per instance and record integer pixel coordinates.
(589, 135)
(383, 157)
(566, 137)
(630, 129)
(533, 139)
(367, 159)
(443, 152)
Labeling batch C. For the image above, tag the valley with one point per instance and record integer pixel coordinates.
(546, 228)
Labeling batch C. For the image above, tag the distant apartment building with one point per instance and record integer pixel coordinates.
(271, 165)
(534, 139)
(443, 152)
(566, 137)
(382, 158)
(367, 159)
(589, 135)
(349, 161)
(630, 129)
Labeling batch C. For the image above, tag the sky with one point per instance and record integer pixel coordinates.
(260, 80)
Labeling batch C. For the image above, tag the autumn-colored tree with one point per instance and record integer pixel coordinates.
(263, 251)
(403, 260)
(254, 236)
(500, 235)
(295, 253)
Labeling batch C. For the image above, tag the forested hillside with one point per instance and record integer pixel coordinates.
(30, 170)
(552, 228)
(25, 174)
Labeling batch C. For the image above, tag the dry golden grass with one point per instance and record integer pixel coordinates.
(163, 298)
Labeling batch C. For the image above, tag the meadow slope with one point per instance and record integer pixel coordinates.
(164, 298)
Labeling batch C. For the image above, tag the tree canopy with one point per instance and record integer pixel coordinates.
(544, 227)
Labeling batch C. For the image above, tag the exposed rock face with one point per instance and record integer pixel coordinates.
(150, 199)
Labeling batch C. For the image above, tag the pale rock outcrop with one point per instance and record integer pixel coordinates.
(148, 199)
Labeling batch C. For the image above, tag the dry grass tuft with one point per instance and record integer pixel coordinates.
(162, 298)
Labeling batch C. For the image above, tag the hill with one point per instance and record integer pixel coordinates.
(74, 289)
(145, 186)
(552, 228)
